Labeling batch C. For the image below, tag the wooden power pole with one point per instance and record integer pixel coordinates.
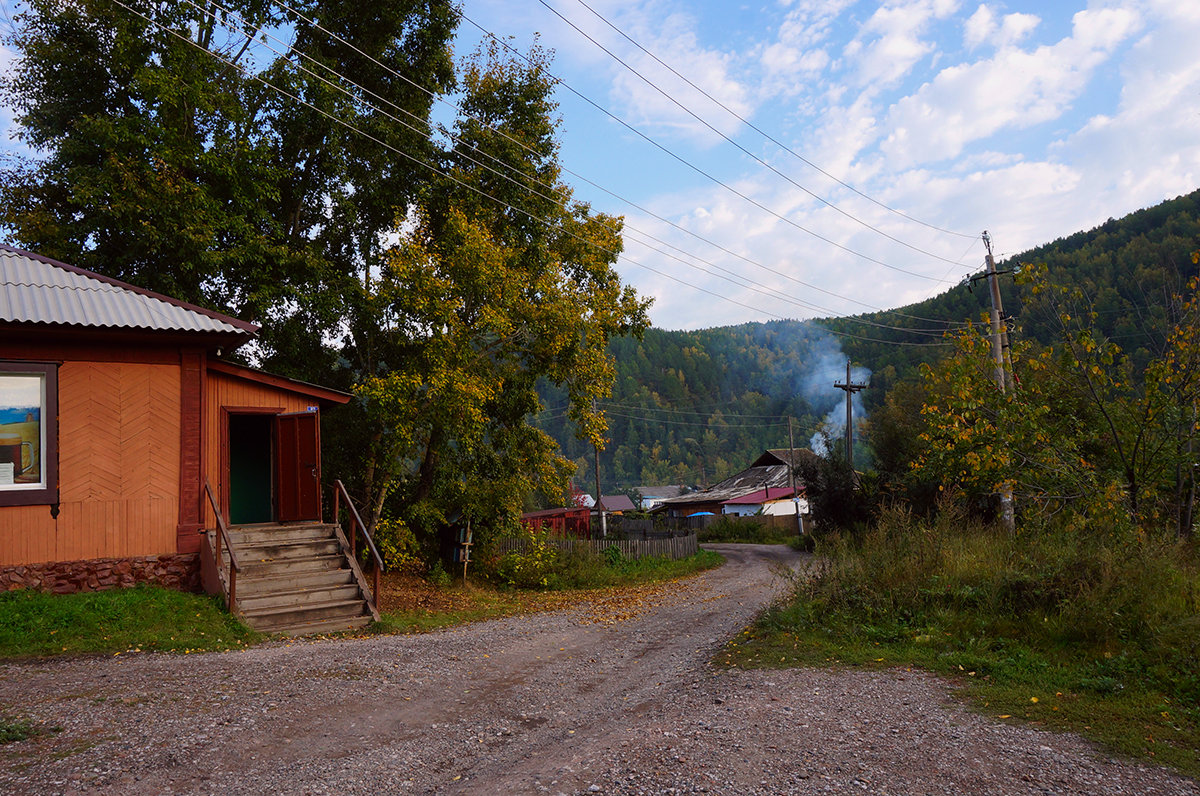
(1003, 361)
(850, 388)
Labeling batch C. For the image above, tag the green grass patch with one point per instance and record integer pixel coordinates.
(1098, 634)
(583, 569)
(13, 730)
(143, 618)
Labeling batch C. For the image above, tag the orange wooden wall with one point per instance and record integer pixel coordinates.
(119, 453)
(222, 392)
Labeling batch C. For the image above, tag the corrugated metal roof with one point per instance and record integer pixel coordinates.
(35, 289)
(752, 479)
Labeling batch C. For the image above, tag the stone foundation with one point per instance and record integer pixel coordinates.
(181, 572)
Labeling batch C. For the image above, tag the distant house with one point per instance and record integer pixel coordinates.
(651, 496)
(617, 504)
(770, 501)
(569, 521)
(115, 412)
(765, 480)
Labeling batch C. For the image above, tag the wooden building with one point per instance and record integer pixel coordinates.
(115, 410)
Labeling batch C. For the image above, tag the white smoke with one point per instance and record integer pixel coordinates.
(825, 365)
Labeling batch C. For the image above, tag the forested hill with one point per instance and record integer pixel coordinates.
(1130, 269)
(694, 407)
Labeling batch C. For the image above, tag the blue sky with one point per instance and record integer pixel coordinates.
(1029, 120)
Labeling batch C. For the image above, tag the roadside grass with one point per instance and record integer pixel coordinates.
(1095, 634)
(153, 619)
(745, 531)
(140, 619)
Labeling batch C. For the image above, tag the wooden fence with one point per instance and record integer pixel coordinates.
(673, 546)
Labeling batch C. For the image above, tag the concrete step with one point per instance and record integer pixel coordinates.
(278, 620)
(253, 585)
(298, 598)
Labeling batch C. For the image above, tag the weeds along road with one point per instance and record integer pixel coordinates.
(614, 697)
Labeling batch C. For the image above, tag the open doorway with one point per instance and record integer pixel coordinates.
(251, 469)
(274, 466)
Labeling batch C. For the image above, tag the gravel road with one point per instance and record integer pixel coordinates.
(614, 697)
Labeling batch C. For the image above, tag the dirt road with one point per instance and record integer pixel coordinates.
(615, 697)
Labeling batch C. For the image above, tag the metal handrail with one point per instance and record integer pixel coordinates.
(223, 535)
(357, 524)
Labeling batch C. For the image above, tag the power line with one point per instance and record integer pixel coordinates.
(313, 23)
(749, 124)
(750, 284)
(714, 179)
(480, 192)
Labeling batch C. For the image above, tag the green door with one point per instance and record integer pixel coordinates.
(250, 471)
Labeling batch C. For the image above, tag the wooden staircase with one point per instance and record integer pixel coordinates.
(296, 579)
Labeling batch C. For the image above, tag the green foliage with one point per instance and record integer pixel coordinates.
(1087, 425)
(142, 618)
(745, 530)
(838, 496)
(13, 730)
(437, 574)
(529, 567)
(397, 544)
(476, 303)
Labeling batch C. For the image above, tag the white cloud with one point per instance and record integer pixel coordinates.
(1014, 89)
(649, 102)
(891, 42)
(799, 50)
(979, 26)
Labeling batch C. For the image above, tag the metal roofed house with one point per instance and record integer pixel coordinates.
(616, 504)
(651, 496)
(115, 414)
(770, 471)
(771, 501)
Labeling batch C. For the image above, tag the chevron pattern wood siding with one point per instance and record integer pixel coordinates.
(119, 454)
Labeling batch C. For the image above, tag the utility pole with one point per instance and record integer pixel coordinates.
(1003, 360)
(792, 479)
(599, 499)
(850, 388)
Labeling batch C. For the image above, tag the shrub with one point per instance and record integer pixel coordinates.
(397, 544)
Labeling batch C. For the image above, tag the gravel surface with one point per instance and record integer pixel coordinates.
(614, 697)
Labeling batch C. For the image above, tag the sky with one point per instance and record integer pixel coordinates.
(808, 158)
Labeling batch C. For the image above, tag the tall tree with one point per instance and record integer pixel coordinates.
(501, 279)
(152, 164)
(168, 156)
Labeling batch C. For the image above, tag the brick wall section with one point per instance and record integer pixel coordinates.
(180, 571)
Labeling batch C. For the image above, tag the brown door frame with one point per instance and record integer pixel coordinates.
(226, 411)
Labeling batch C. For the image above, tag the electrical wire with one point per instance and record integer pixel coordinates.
(767, 135)
(718, 182)
(505, 205)
(729, 140)
(808, 305)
